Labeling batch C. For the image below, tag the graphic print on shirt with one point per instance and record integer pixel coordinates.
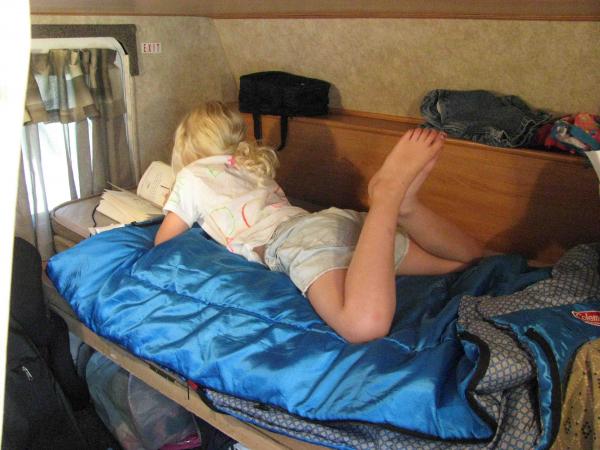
(278, 199)
(250, 211)
(226, 220)
(234, 206)
(214, 172)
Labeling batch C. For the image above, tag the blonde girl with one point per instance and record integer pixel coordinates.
(345, 262)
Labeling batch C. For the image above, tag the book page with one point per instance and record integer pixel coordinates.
(127, 207)
(156, 183)
(115, 214)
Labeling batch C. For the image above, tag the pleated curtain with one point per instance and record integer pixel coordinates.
(80, 91)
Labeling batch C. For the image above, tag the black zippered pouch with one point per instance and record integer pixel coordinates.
(282, 94)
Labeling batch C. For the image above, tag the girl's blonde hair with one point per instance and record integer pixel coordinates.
(215, 129)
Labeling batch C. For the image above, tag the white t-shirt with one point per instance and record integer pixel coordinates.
(230, 203)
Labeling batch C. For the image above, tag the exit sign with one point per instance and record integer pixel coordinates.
(151, 47)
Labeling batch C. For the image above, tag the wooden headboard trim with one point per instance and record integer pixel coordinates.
(531, 202)
(398, 125)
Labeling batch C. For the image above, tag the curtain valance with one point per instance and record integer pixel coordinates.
(70, 85)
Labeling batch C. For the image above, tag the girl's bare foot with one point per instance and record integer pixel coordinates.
(407, 166)
(411, 200)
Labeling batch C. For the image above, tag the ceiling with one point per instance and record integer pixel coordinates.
(476, 9)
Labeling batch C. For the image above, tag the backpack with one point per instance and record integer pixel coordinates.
(37, 414)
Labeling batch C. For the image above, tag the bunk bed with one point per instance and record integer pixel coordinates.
(513, 200)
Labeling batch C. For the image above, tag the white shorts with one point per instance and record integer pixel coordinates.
(307, 246)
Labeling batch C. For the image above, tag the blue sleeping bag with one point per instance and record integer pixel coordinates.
(235, 327)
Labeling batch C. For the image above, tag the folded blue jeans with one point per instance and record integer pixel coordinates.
(481, 116)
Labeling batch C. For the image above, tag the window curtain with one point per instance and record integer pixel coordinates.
(75, 134)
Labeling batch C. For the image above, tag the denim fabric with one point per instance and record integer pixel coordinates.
(481, 116)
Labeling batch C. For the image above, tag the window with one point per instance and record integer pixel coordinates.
(78, 136)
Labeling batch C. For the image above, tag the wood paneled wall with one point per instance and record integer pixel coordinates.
(517, 201)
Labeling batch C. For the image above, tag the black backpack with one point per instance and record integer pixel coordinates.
(282, 94)
(37, 413)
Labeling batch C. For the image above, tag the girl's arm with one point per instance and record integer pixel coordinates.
(171, 226)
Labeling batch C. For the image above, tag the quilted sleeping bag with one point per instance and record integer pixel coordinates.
(235, 327)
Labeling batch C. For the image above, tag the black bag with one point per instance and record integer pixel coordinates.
(47, 330)
(40, 374)
(36, 413)
(282, 94)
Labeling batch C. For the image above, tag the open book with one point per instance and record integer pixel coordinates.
(152, 193)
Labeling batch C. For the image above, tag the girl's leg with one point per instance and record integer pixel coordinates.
(439, 237)
(360, 302)
(433, 233)
(419, 261)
